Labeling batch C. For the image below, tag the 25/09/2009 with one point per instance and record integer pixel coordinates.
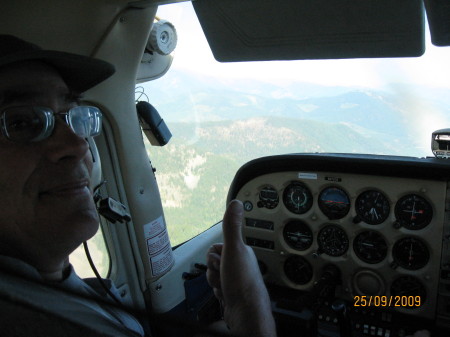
(387, 301)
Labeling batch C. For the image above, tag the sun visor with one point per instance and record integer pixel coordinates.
(260, 30)
(438, 13)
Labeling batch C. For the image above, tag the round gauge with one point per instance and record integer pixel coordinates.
(367, 282)
(268, 197)
(413, 212)
(334, 203)
(332, 240)
(406, 286)
(370, 247)
(298, 269)
(410, 253)
(372, 207)
(298, 235)
(297, 198)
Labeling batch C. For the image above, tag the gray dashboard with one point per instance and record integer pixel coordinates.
(382, 221)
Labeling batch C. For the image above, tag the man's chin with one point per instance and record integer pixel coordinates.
(79, 232)
(77, 226)
(68, 207)
(85, 223)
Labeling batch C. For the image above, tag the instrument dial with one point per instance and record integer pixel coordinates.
(297, 198)
(370, 247)
(372, 207)
(334, 203)
(413, 212)
(298, 269)
(298, 235)
(268, 197)
(332, 240)
(410, 253)
(409, 286)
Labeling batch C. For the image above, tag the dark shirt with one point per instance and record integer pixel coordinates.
(72, 299)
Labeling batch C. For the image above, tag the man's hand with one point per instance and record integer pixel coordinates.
(234, 274)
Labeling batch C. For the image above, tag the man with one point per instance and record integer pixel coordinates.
(47, 204)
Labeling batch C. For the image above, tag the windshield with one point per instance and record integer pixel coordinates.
(222, 115)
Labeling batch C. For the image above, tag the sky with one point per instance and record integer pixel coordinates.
(193, 52)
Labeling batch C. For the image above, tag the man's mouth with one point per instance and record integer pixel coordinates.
(69, 189)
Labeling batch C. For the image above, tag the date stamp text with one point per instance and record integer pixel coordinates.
(387, 301)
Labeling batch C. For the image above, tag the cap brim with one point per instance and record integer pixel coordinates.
(79, 72)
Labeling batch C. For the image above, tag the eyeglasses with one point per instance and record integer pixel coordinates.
(24, 124)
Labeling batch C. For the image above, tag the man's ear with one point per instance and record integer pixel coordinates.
(96, 175)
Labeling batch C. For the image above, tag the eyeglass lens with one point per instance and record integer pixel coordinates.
(25, 124)
(85, 121)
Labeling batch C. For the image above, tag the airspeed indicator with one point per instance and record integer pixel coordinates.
(297, 198)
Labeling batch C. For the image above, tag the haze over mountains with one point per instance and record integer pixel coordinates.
(181, 97)
(218, 125)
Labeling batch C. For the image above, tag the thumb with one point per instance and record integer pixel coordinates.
(232, 224)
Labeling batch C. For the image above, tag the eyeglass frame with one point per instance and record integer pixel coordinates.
(49, 121)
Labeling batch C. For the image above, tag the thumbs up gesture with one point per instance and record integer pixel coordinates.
(234, 274)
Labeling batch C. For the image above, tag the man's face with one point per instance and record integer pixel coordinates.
(45, 200)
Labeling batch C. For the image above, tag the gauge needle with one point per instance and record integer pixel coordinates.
(374, 213)
(410, 253)
(299, 234)
(373, 210)
(302, 200)
(413, 212)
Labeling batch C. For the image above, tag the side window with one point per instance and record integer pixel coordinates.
(193, 179)
(99, 255)
(193, 185)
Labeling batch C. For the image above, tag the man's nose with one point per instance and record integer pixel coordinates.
(64, 143)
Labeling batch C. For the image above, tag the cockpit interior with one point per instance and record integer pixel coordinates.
(349, 243)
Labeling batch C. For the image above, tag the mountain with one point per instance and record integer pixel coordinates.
(260, 136)
(396, 113)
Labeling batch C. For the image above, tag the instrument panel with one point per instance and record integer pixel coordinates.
(386, 232)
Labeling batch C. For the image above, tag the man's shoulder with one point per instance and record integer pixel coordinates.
(38, 323)
(62, 299)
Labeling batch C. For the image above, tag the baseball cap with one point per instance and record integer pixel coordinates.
(79, 72)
